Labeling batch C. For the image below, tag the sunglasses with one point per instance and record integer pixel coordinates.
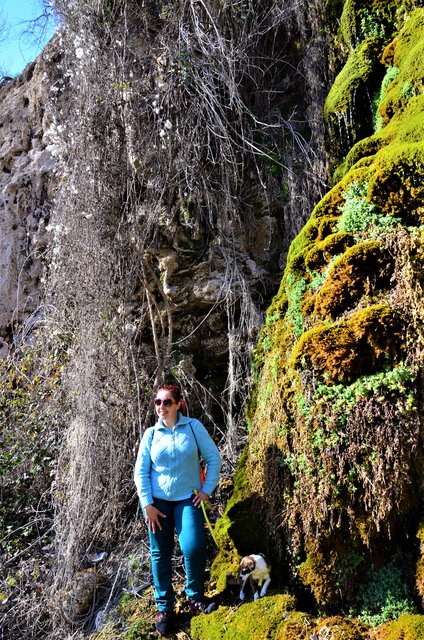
(166, 403)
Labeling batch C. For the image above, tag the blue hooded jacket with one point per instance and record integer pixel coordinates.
(167, 463)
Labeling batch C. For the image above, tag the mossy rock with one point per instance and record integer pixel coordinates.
(405, 128)
(362, 269)
(339, 628)
(401, 108)
(238, 531)
(362, 153)
(408, 58)
(329, 404)
(322, 224)
(365, 343)
(331, 561)
(360, 18)
(397, 187)
(322, 252)
(363, 73)
(349, 94)
(262, 618)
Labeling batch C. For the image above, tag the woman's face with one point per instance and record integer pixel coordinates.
(167, 409)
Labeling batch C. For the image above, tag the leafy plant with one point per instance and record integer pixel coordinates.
(295, 291)
(372, 25)
(344, 397)
(391, 74)
(408, 90)
(359, 215)
(27, 444)
(384, 597)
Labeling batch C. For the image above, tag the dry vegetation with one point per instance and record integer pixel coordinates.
(175, 126)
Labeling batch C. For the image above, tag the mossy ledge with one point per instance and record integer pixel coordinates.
(335, 450)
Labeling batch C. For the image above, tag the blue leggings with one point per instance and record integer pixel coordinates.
(187, 520)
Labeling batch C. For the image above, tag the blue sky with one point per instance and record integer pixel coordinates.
(18, 46)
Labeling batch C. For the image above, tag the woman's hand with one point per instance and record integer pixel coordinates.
(152, 518)
(200, 496)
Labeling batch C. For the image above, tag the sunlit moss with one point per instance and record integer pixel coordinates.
(364, 343)
(348, 279)
(259, 619)
(350, 95)
(408, 627)
(335, 418)
(408, 58)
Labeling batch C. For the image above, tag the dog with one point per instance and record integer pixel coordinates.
(255, 569)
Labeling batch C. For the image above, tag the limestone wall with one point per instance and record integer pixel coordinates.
(26, 189)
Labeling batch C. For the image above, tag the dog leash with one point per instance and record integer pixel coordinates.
(202, 504)
(203, 477)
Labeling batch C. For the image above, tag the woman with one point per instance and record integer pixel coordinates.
(170, 491)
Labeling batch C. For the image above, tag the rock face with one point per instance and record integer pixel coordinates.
(26, 192)
(335, 451)
(181, 136)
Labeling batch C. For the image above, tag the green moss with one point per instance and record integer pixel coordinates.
(407, 627)
(259, 619)
(402, 104)
(357, 70)
(348, 22)
(396, 186)
(238, 529)
(316, 573)
(402, 82)
(407, 57)
(350, 94)
(322, 223)
(361, 154)
(363, 18)
(362, 217)
(132, 619)
(391, 74)
(333, 405)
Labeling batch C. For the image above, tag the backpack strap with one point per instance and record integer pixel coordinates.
(192, 431)
(151, 436)
(202, 463)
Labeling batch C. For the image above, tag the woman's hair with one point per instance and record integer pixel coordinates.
(175, 391)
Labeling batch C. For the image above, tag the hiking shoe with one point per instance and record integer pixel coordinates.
(164, 623)
(203, 605)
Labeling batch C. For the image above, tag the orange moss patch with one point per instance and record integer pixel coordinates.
(363, 344)
(297, 626)
(361, 270)
(322, 252)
